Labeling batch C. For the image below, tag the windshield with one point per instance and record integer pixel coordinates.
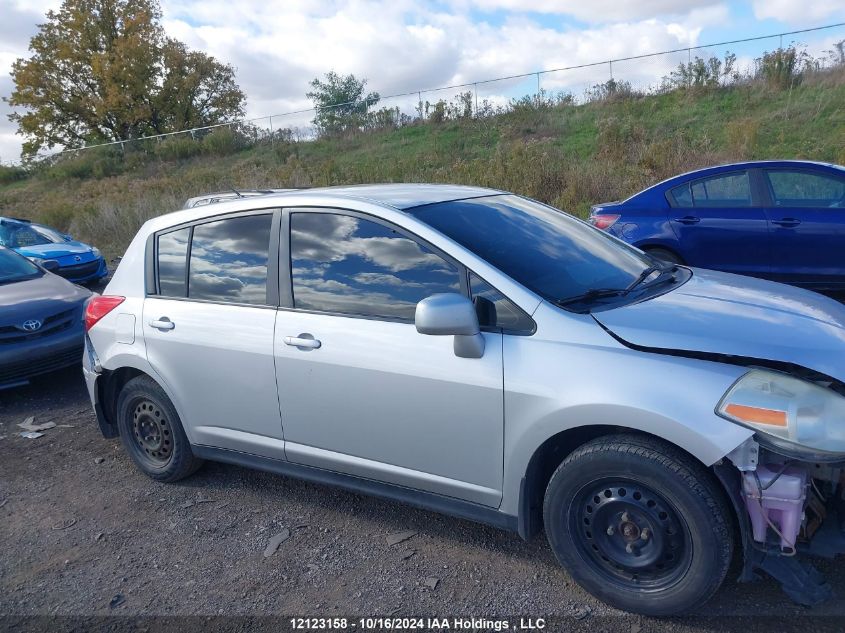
(50, 234)
(546, 250)
(22, 234)
(14, 267)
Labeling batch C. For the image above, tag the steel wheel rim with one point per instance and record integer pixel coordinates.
(631, 535)
(151, 432)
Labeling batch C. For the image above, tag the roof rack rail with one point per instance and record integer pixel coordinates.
(231, 194)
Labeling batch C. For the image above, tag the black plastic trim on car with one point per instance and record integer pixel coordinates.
(417, 498)
(150, 265)
(107, 429)
(283, 257)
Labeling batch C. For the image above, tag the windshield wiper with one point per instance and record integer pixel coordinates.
(599, 293)
(648, 272)
(592, 293)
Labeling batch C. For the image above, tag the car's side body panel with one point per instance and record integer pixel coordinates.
(220, 388)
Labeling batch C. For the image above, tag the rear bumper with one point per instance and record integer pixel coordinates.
(92, 372)
(19, 362)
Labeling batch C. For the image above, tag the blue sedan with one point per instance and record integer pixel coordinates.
(781, 220)
(77, 262)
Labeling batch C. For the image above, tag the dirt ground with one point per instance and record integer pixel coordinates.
(82, 532)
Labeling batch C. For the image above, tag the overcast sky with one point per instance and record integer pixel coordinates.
(406, 45)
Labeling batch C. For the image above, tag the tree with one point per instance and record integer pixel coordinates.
(103, 70)
(196, 90)
(340, 102)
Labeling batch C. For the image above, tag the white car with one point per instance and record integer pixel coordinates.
(481, 354)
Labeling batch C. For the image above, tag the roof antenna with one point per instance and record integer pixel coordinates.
(238, 193)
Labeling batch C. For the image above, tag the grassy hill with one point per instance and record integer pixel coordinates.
(568, 155)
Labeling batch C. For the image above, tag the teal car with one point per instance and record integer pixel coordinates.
(77, 262)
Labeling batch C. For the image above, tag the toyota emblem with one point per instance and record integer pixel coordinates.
(77, 258)
(32, 325)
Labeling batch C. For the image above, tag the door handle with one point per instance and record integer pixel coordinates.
(303, 342)
(688, 219)
(787, 222)
(163, 324)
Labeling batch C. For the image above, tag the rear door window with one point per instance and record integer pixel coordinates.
(724, 190)
(224, 260)
(797, 188)
(229, 260)
(172, 259)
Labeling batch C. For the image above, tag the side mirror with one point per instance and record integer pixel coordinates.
(451, 314)
(50, 264)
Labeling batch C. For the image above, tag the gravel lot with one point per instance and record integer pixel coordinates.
(83, 532)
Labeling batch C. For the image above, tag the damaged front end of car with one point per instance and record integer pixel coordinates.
(787, 482)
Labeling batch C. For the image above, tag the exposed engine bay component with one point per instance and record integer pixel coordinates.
(790, 507)
(775, 500)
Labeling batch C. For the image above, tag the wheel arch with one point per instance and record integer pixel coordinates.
(109, 385)
(671, 248)
(551, 453)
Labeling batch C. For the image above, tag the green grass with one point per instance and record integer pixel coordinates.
(570, 156)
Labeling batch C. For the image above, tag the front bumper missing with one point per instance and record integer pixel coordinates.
(798, 577)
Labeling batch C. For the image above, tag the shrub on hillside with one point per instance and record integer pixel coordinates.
(783, 67)
(223, 141)
(97, 162)
(179, 147)
(11, 173)
(610, 90)
(703, 73)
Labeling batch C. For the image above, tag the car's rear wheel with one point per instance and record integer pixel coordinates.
(639, 524)
(152, 433)
(665, 255)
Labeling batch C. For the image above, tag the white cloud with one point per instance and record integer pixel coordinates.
(599, 11)
(796, 13)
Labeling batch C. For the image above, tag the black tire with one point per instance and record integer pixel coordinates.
(152, 433)
(603, 498)
(665, 255)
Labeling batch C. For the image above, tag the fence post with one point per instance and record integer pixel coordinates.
(689, 65)
(610, 64)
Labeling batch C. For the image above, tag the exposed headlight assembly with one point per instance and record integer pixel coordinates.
(795, 417)
(96, 252)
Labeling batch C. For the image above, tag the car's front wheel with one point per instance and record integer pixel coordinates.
(152, 433)
(639, 524)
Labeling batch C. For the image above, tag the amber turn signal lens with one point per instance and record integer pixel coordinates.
(757, 415)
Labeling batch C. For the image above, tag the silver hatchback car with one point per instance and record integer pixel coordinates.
(484, 355)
